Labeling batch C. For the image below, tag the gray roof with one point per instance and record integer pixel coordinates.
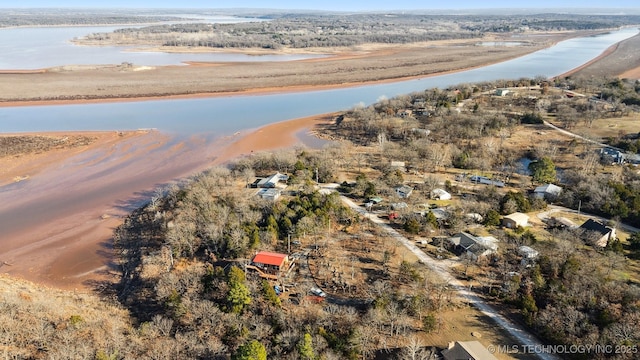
(473, 350)
(474, 243)
(548, 189)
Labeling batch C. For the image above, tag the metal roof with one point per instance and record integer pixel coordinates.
(269, 258)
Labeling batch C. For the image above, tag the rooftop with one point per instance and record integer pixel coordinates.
(269, 258)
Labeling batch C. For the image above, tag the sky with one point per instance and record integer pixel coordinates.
(336, 5)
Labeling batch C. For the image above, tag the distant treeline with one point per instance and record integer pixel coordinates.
(77, 17)
(302, 31)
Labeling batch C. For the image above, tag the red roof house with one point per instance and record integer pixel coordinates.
(270, 262)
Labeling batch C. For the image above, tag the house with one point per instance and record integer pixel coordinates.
(514, 220)
(404, 191)
(269, 265)
(596, 233)
(475, 246)
(272, 181)
(611, 155)
(502, 92)
(467, 350)
(486, 181)
(269, 194)
(398, 165)
(547, 191)
(440, 194)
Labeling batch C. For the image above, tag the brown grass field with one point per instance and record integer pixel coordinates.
(343, 67)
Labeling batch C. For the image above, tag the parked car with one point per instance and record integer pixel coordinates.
(317, 292)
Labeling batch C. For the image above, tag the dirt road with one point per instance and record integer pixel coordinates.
(443, 269)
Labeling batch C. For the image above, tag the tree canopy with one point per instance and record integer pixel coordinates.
(543, 170)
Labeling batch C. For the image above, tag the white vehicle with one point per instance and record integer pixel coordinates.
(317, 292)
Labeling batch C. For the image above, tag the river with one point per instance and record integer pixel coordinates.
(225, 115)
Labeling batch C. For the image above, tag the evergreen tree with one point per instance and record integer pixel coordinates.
(543, 170)
(238, 296)
(253, 350)
(305, 347)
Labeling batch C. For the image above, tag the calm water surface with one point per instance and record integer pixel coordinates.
(225, 115)
(38, 48)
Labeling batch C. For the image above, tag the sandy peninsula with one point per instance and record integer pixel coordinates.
(342, 67)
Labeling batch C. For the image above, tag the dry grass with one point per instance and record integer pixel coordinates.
(16, 145)
(348, 66)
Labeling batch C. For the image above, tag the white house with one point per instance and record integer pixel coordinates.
(440, 194)
(272, 181)
(547, 191)
(514, 220)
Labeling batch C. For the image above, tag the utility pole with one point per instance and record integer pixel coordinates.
(289, 243)
(579, 205)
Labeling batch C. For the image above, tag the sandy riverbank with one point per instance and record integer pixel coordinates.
(58, 224)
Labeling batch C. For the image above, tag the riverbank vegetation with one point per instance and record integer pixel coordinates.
(301, 30)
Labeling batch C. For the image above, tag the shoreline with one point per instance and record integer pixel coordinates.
(270, 89)
(245, 92)
(67, 244)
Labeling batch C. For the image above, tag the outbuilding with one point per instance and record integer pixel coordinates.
(547, 191)
(514, 220)
(440, 194)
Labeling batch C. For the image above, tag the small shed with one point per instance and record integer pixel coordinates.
(440, 194)
(514, 220)
(502, 92)
(404, 191)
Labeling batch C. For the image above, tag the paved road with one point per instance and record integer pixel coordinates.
(443, 269)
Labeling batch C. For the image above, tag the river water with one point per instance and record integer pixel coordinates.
(225, 115)
(45, 47)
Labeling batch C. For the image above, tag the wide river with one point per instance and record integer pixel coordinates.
(223, 115)
(56, 226)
